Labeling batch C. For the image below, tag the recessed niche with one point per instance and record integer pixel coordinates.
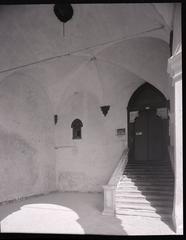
(76, 129)
(55, 119)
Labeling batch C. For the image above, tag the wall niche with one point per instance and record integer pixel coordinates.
(76, 129)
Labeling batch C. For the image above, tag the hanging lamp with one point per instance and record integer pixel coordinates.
(64, 13)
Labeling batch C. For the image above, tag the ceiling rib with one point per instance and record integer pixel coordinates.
(160, 17)
(105, 45)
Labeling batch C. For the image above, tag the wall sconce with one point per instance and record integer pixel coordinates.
(55, 119)
(105, 109)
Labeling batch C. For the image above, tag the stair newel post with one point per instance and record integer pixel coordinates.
(110, 188)
(109, 200)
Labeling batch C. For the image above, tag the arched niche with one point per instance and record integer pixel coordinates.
(76, 129)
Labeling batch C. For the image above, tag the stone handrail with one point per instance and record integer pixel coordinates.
(119, 169)
(109, 189)
(171, 156)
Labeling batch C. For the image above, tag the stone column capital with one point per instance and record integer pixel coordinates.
(174, 68)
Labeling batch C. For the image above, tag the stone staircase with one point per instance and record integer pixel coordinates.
(146, 190)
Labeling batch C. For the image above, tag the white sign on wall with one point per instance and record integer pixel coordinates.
(120, 131)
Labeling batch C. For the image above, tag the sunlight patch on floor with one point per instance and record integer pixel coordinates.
(137, 225)
(42, 218)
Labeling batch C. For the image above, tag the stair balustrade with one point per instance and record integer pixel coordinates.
(109, 189)
(171, 156)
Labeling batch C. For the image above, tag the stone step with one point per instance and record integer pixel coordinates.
(159, 173)
(145, 167)
(150, 168)
(143, 183)
(145, 188)
(157, 206)
(143, 214)
(153, 169)
(140, 197)
(146, 181)
(151, 192)
(160, 167)
(147, 178)
(153, 166)
(143, 201)
(143, 207)
(147, 163)
(148, 175)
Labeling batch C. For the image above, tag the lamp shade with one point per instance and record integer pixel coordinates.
(63, 11)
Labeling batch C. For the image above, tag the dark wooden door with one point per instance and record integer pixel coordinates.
(148, 137)
(140, 137)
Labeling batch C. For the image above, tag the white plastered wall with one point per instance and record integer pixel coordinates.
(71, 87)
(26, 138)
(86, 164)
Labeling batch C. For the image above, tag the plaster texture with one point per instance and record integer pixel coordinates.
(27, 141)
(86, 164)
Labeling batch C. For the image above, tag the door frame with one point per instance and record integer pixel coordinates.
(138, 102)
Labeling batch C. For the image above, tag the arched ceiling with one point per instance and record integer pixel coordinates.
(144, 57)
(32, 32)
(131, 36)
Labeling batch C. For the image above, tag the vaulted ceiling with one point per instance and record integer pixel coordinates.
(127, 35)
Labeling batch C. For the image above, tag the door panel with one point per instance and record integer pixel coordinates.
(148, 137)
(155, 137)
(140, 138)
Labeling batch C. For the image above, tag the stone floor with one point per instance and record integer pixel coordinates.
(73, 213)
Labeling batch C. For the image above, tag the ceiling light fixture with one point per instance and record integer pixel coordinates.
(64, 13)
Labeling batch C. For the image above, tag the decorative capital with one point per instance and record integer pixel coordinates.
(175, 67)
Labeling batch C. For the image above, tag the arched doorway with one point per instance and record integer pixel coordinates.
(148, 136)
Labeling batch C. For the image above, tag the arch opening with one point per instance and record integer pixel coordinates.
(148, 134)
(76, 129)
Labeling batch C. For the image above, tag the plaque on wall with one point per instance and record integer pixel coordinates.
(120, 131)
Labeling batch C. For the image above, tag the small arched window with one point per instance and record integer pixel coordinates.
(76, 129)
